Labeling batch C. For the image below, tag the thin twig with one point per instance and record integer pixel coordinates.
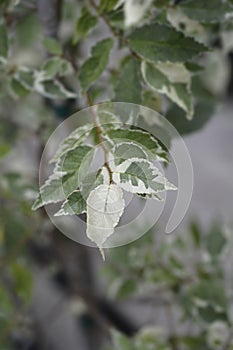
(115, 33)
(100, 141)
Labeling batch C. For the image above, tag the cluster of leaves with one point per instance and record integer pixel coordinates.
(164, 55)
(129, 156)
(22, 80)
(186, 275)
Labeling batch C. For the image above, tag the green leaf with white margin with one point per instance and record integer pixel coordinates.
(72, 141)
(135, 10)
(52, 191)
(71, 161)
(207, 11)
(94, 66)
(85, 23)
(175, 72)
(55, 66)
(75, 204)
(18, 89)
(141, 177)
(105, 206)
(126, 150)
(142, 138)
(52, 88)
(178, 19)
(128, 87)
(70, 170)
(26, 77)
(173, 80)
(156, 42)
(3, 43)
(93, 180)
(52, 46)
(107, 119)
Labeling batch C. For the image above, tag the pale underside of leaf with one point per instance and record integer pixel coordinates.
(105, 206)
(135, 10)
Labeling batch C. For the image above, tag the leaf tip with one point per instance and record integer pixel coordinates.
(102, 253)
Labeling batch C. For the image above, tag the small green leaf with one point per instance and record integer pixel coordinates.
(18, 88)
(108, 120)
(26, 77)
(72, 141)
(85, 24)
(75, 204)
(128, 87)
(93, 180)
(52, 46)
(157, 42)
(70, 170)
(142, 138)
(135, 10)
(55, 66)
(95, 65)
(71, 161)
(53, 89)
(52, 191)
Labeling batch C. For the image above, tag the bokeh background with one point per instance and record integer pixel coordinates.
(160, 292)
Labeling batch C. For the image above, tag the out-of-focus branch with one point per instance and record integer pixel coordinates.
(49, 13)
